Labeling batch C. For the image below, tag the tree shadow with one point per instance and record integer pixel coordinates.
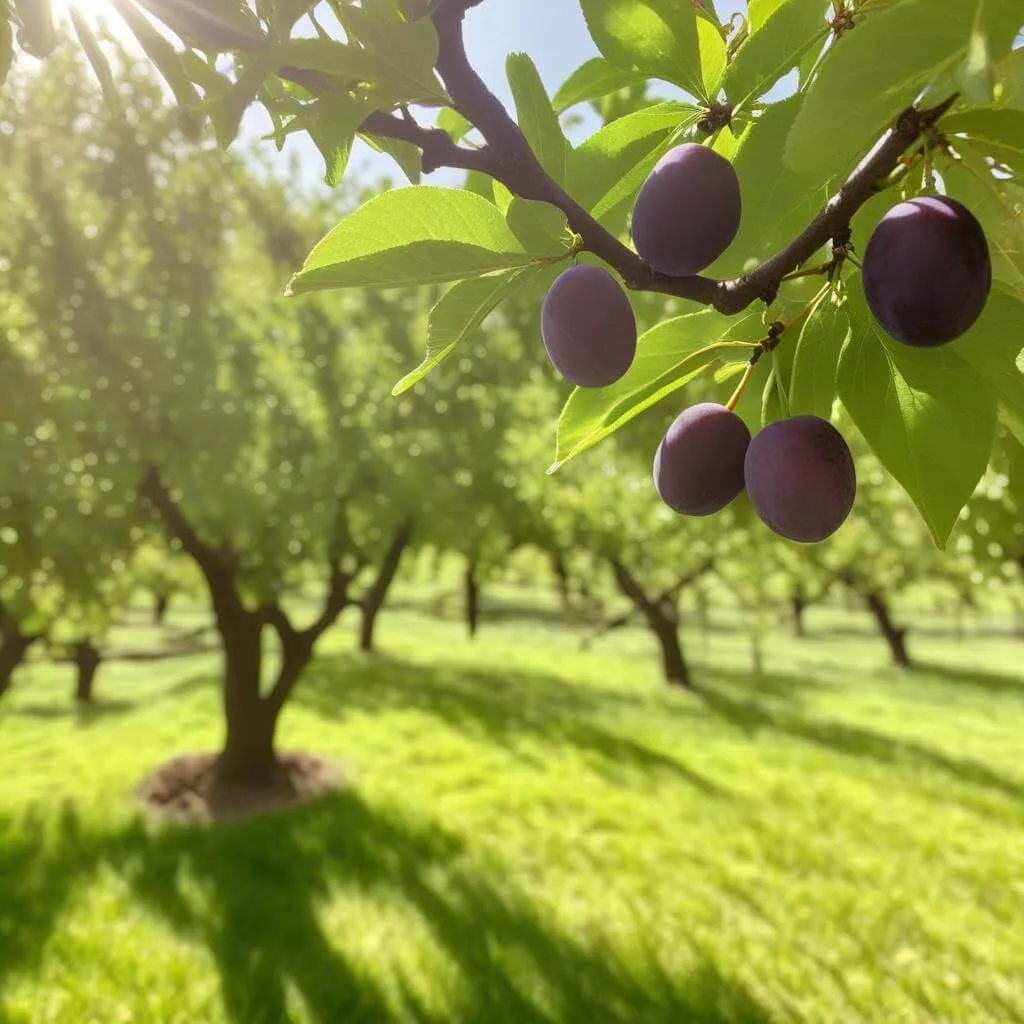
(44, 857)
(856, 741)
(977, 679)
(773, 685)
(254, 894)
(83, 713)
(501, 707)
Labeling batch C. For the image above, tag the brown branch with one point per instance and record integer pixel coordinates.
(215, 564)
(519, 169)
(507, 157)
(374, 597)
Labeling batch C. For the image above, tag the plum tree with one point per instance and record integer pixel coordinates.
(811, 168)
(588, 327)
(800, 477)
(927, 271)
(698, 468)
(688, 210)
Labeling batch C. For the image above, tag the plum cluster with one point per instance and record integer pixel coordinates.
(798, 472)
(926, 274)
(685, 216)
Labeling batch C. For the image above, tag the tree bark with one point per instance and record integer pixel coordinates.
(798, 604)
(472, 586)
(14, 645)
(374, 600)
(87, 661)
(894, 636)
(561, 571)
(663, 621)
(160, 607)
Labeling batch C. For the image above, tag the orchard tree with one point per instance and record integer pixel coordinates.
(892, 142)
(249, 436)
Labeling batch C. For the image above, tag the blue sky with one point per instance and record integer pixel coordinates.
(552, 32)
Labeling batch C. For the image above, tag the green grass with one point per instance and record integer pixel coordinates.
(534, 834)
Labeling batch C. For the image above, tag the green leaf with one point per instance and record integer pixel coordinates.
(210, 25)
(812, 387)
(226, 110)
(992, 347)
(1010, 75)
(974, 186)
(610, 167)
(999, 133)
(408, 157)
(537, 118)
(160, 52)
(977, 77)
(358, 65)
(771, 401)
(713, 56)
(97, 60)
(777, 201)
(540, 227)
(656, 37)
(407, 48)
(459, 312)
(759, 11)
(38, 35)
(928, 416)
(285, 13)
(332, 122)
(667, 357)
(453, 124)
(774, 48)
(593, 80)
(879, 69)
(418, 235)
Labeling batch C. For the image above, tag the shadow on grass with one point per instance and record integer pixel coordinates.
(101, 708)
(84, 714)
(254, 894)
(976, 679)
(499, 707)
(857, 741)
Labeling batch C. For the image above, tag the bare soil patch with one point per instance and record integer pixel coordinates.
(186, 788)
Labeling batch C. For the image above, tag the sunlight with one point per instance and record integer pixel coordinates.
(95, 12)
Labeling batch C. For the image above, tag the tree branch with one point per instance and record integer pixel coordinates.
(211, 561)
(374, 597)
(507, 157)
(517, 167)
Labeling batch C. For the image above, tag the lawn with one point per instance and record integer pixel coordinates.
(531, 833)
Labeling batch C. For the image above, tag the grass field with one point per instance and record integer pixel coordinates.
(534, 834)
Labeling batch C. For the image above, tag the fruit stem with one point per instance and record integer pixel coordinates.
(742, 386)
(806, 311)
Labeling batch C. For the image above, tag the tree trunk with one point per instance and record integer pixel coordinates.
(677, 672)
(663, 622)
(561, 572)
(367, 626)
(374, 600)
(894, 636)
(798, 604)
(87, 662)
(14, 646)
(248, 756)
(160, 607)
(472, 599)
